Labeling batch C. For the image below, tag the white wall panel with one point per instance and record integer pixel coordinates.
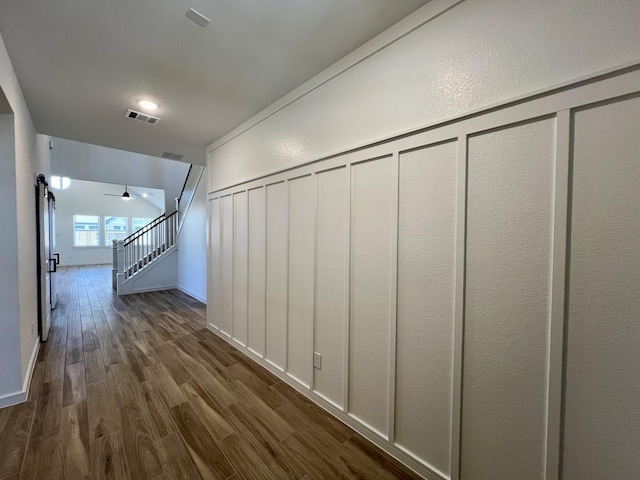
(371, 239)
(257, 269)
(301, 262)
(226, 323)
(426, 274)
(509, 220)
(240, 242)
(277, 260)
(331, 278)
(214, 304)
(602, 414)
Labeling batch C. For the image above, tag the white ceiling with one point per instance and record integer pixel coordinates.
(82, 63)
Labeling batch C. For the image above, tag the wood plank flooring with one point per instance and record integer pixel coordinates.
(136, 388)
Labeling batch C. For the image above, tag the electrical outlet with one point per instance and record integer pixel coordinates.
(317, 360)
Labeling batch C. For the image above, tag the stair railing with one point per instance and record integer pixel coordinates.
(142, 247)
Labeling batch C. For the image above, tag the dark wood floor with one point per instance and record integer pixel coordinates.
(136, 388)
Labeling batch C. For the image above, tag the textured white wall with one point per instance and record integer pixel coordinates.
(86, 198)
(30, 159)
(192, 243)
(602, 420)
(474, 55)
(509, 230)
(226, 267)
(393, 348)
(301, 245)
(277, 271)
(9, 302)
(331, 278)
(257, 270)
(371, 250)
(371, 264)
(426, 280)
(240, 265)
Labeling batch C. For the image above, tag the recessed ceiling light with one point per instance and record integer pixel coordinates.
(147, 105)
(144, 195)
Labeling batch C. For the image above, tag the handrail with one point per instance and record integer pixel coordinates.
(144, 229)
(184, 185)
(188, 192)
(158, 221)
(147, 228)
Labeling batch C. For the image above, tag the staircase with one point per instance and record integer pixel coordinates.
(146, 260)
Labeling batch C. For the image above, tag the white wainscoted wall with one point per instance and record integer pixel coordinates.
(472, 286)
(429, 273)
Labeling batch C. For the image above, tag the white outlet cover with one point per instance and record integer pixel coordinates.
(317, 360)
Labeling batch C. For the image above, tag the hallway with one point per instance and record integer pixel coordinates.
(136, 388)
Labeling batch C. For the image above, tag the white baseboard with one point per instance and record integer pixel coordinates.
(22, 395)
(192, 294)
(155, 288)
(429, 473)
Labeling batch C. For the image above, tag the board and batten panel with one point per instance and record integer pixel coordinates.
(226, 323)
(602, 409)
(507, 304)
(331, 282)
(215, 249)
(240, 239)
(277, 260)
(257, 269)
(426, 288)
(371, 256)
(301, 262)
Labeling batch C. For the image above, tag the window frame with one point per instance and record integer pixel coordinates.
(75, 231)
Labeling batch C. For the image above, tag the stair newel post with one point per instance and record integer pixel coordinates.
(114, 269)
(120, 260)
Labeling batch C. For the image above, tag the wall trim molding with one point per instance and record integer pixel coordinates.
(550, 91)
(397, 453)
(22, 395)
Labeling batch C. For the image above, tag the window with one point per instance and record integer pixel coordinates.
(138, 223)
(115, 228)
(60, 183)
(86, 231)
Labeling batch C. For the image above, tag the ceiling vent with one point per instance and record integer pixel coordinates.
(197, 17)
(141, 117)
(171, 156)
